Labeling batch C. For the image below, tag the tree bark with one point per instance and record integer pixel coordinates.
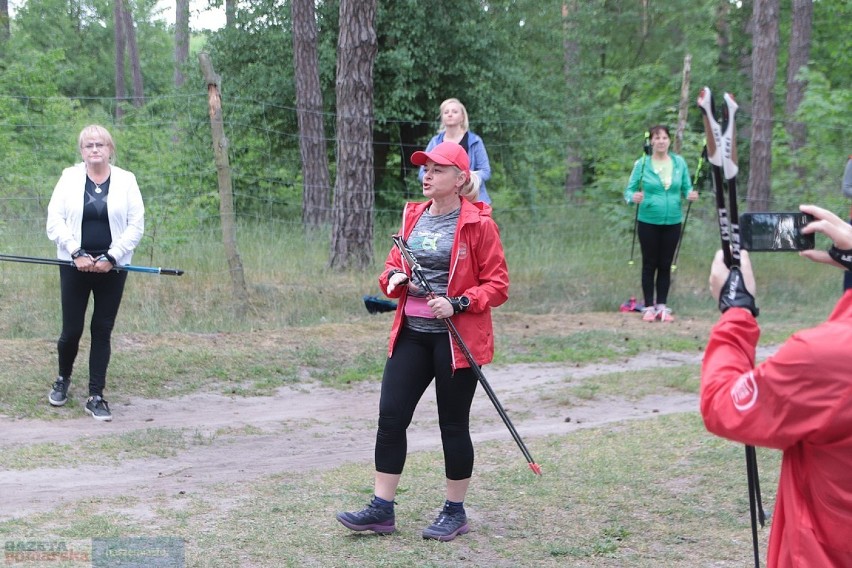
(5, 32)
(181, 40)
(120, 43)
(352, 212)
(571, 55)
(226, 194)
(685, 99)
(799, 53)
(723, 34)
(133, 52)
(764, 67)
(316, 189)
(230, 14)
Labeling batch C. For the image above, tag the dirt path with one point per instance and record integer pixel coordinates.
(300, 429)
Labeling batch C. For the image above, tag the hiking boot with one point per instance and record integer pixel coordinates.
(373, 518)
(98, 408)
(59, 394)
(664, 314)
(649, 313)
(447, 526)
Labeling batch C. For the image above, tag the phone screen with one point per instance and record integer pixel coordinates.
(775, 231)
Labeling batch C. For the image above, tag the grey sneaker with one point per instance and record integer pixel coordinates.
(373, 518)
(98, 408)
(59, 394)
(447, 526)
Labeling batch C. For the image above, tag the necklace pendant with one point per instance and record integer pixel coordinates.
(98, 189)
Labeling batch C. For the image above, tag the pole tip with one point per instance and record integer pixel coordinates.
(536, 468)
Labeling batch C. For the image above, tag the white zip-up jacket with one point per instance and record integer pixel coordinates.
(124, 206)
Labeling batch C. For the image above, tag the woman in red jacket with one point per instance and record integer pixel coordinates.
(798, 401)
(458, 246)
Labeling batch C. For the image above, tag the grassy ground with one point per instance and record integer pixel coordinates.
(656, 492)
(651, 493)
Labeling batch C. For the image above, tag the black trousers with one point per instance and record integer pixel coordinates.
(658, 244)
(75, 288)
(847, 276)
(417, 359)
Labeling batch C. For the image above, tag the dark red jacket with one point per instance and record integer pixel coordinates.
(798, 401)
(477, 270)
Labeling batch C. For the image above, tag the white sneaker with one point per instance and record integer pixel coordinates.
(649, 313)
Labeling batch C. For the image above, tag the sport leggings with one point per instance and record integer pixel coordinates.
(418, 358)
(107, 290)
(658, 244)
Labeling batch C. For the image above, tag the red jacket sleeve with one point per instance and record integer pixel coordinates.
(492, 272)
(787, 399)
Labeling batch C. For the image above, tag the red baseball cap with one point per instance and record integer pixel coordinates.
(447, 154)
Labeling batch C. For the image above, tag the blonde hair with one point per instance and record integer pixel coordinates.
(470, 189)
(465, 121)
(97, 131)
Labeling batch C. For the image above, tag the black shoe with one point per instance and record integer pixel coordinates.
(59, 395)
(373, 518)
(98, 408)
(447, 526)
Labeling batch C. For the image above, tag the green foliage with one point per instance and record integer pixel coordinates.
(825, 155)
(506, 60)
(29, 99)
(83, 33)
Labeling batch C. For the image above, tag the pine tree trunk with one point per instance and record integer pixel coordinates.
(133, 52)
(4, 21)
(230, 14)
(799, 53)
(571, 56)
(352, 212)
(764, 67)
(181, 40)
(316, 190)
(120, 42)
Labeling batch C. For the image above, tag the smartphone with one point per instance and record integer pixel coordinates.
(775, 231)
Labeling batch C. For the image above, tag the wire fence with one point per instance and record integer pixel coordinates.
(167, 145)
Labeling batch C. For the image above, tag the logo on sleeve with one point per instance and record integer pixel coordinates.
(744, 392)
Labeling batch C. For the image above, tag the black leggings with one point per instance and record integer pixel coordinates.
(658, 244)
(107, 290)
(417, 359)
(847, 276)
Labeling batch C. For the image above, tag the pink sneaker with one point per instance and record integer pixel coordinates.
(649, 314)
(664, 314)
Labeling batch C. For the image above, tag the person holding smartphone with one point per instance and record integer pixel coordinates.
(798, 401)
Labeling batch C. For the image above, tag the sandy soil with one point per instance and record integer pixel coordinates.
(301, 429)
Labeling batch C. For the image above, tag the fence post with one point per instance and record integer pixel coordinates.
(226, 195)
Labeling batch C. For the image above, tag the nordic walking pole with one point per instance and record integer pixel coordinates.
(117, 268)
(689, 205)
(646, 151)
(722, 155)
(635, 227)
(454, 332)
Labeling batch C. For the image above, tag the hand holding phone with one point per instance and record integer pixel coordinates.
(767, 231)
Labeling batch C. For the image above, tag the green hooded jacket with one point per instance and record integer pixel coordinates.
(660, 206)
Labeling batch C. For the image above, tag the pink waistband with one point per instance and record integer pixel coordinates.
(418, 308)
